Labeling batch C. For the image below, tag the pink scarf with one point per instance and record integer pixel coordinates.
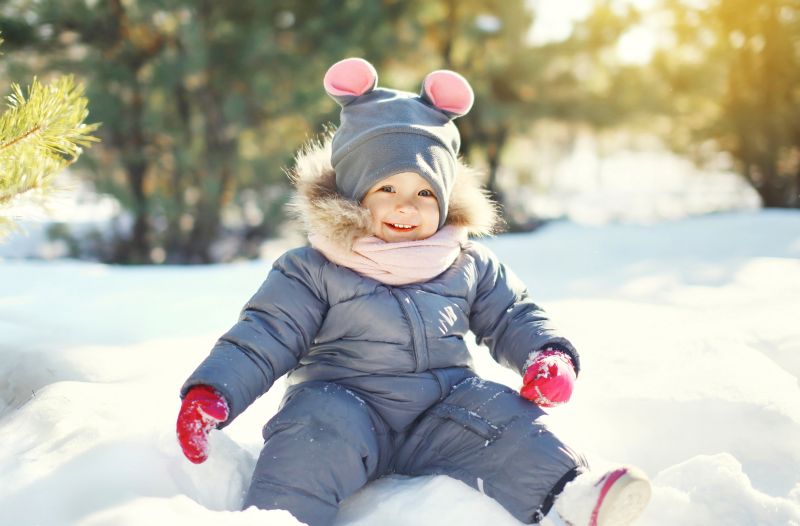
(398, 263)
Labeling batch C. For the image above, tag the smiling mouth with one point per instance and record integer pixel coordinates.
(400, 227)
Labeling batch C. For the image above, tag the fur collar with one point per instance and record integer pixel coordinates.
(324, 211)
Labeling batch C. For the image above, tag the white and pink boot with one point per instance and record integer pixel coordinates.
(617, 498)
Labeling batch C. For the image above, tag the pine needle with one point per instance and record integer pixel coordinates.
(41, 133)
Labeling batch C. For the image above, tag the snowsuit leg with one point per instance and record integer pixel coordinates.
(490, 438)
(323, 445)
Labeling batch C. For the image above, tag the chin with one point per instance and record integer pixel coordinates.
(393, 237)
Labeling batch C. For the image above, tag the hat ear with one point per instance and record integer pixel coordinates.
(350, 78)
(448, 92)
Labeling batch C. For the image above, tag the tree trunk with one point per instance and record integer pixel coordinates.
(181, 177)
(136, 248)
(493, 160)
(772, 187)
(208, 219)
(136, 174)
(493, 150)
(796, 194)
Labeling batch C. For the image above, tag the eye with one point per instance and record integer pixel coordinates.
(386, 188)
(426, 193)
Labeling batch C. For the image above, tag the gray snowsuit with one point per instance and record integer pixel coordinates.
(380, 377)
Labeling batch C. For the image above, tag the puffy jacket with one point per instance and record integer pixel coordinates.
(400, 347)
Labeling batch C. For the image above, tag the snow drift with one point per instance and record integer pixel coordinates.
(691, 357)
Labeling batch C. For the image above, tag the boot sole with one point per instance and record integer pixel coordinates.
(624, 497)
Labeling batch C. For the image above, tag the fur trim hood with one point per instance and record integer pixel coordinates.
(323, 210)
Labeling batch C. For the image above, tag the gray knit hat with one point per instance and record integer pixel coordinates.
(383, 132)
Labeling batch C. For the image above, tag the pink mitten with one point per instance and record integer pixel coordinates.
(550, 379)
(202, 409)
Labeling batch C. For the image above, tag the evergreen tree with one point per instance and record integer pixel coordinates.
(41, 133)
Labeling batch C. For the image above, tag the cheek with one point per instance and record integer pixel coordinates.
(374, 207)
(376, 211)
(431, 212)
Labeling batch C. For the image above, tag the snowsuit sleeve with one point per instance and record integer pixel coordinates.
(506, 320)
(275, 328)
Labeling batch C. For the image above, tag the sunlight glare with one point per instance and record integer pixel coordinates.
(636, 46)
(554, 20)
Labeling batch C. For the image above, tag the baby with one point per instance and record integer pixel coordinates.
(368, 324)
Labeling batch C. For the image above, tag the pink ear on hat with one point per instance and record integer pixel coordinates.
(350, 77)
(448, 91)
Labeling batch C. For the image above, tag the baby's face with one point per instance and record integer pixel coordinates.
(403, 208)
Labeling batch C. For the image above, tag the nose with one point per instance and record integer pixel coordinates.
(406, 206)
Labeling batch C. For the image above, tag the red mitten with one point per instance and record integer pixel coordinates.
(202, 409)
(550, 379)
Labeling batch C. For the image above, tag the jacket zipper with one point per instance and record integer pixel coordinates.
(418, 340)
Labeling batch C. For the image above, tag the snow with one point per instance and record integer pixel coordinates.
(690, 351)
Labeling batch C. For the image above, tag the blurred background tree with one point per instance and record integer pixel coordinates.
(734, 78)
(204, 103)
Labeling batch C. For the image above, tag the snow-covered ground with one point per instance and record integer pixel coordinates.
(690, 343)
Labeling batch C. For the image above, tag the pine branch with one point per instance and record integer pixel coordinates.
(41, 134)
